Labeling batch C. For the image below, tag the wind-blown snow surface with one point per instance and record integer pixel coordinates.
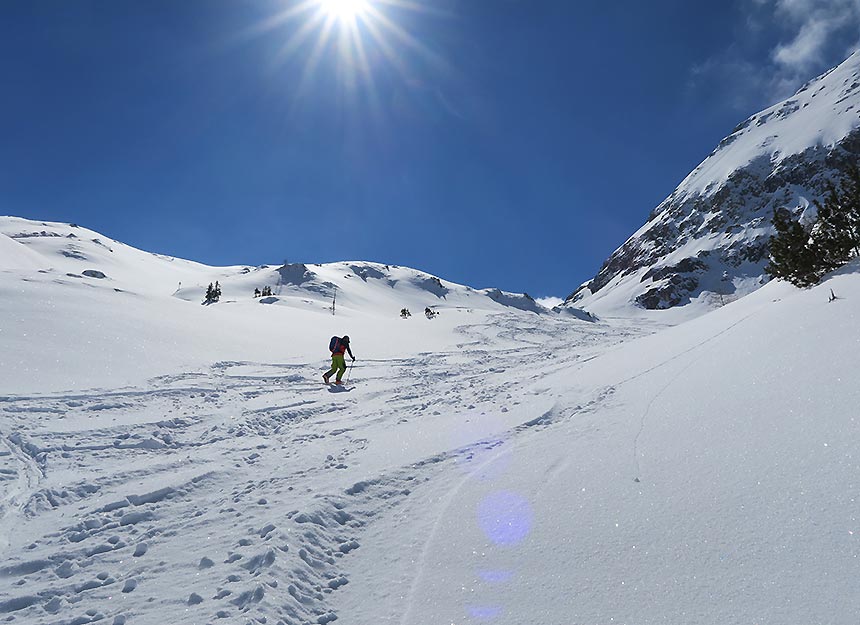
(480, 467)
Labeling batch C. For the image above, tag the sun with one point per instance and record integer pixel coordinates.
(351, 40)
(345, 10)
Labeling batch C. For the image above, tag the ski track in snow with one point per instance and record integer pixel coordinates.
(252, 482)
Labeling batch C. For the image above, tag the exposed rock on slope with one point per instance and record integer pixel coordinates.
(708, 240)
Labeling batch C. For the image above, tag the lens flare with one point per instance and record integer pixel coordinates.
(485, 612)
(505, 518)
(350, 40)
(345, 9)
(491, 576)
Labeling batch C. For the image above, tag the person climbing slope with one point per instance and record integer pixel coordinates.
(338, 346)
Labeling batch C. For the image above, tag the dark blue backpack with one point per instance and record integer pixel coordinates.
(334, 343)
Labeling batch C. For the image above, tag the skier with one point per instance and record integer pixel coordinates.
(337, 346)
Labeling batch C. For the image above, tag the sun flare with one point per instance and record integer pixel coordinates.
(352, 38)
(345, 9)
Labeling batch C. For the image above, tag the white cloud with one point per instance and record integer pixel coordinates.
(804, 38)
(814, 23)
(805, 50)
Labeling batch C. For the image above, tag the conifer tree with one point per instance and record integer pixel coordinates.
(802, 256)
(851, 186)
(837, 232)
(213, 293)
(792, 255)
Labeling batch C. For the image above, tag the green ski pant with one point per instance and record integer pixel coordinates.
(338, 364)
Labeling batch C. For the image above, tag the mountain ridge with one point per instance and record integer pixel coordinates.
(707, 241)
(68, 250)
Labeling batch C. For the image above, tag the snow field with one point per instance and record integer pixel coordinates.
(163, 461)
(703, 474)
(240, 490)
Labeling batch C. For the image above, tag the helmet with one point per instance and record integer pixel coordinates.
(345, 339)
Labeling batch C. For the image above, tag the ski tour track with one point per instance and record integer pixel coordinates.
(240, 481)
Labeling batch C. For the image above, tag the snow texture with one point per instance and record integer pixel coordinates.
(167, 462)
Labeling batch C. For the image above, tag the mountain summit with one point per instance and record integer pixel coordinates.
(707, 242)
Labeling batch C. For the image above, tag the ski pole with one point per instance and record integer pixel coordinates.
(349, 371)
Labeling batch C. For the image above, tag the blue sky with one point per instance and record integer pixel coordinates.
(501, 143)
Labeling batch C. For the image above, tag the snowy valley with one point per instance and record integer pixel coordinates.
(164, 461)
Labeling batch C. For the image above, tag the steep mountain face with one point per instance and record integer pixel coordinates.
(707, 242)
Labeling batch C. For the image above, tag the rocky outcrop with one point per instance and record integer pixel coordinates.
(711, 234)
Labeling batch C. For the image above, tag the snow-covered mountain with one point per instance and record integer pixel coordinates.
(707, 242)
(68, 253)
(145, 305)
(162, 461)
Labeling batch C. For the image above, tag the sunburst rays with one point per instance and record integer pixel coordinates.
(355, 37)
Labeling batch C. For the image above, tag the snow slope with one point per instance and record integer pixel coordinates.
(704, 474)
(491, 465)
(77, 293)
(822, 113)
(707, 242)
(16, 257)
